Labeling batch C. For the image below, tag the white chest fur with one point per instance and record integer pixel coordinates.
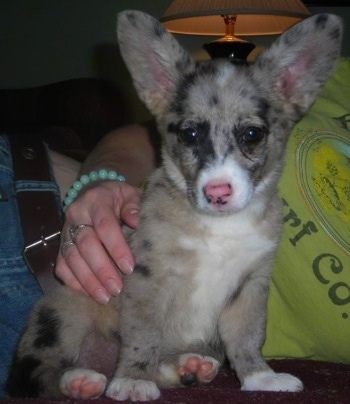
(232, 248)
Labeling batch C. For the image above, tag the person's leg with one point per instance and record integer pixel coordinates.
(19, 289)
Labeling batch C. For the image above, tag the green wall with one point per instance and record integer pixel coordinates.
(44, 41)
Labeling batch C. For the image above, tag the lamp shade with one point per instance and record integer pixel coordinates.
(254, 17)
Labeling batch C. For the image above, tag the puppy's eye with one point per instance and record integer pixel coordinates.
(189, 136)
(252, 135)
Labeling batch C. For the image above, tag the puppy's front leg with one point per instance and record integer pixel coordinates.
(136, 369)
(242, 328)
(139, 356)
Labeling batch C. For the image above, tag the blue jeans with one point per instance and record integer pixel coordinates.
(19, 289)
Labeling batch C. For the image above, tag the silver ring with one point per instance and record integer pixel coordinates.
(76, 229)
(65, 247)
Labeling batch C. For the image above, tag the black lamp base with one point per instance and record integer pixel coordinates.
(235, 50)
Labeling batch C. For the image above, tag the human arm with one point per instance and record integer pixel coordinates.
(101, 253)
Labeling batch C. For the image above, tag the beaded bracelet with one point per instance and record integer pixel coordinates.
(86, 179)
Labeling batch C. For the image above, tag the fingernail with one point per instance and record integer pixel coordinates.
(113, 287)
(135, 212)
(125, 266)
(102, 296)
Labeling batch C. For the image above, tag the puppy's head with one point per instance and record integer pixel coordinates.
(225, 126)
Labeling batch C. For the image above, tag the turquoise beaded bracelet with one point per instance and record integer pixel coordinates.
(86, 179)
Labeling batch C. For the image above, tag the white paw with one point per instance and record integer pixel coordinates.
(82, 383)
(271, 381)
(129, 389)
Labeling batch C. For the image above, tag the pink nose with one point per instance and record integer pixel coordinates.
(217, 193)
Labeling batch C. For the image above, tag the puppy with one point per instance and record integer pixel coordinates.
(210, 224)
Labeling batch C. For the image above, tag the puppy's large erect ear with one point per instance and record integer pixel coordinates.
(154, 58)
(301, 60)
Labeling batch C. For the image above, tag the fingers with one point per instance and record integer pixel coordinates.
(100, 254)
(110, 231)
(128, 211)
(79, 271)
(64, 273)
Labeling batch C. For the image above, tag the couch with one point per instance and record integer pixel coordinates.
(308, 331)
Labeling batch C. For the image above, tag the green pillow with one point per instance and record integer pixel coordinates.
(309, 302)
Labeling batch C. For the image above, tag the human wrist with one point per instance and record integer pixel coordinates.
(86, 180)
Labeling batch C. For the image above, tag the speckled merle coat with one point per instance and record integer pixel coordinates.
(210, 225)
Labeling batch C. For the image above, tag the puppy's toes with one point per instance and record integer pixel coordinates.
(82, 383)
(271, 381)
(196, 368)
(121, 389)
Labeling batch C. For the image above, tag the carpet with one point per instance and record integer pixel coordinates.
(324, 383)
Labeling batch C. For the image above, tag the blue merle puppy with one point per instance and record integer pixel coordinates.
(210, 224)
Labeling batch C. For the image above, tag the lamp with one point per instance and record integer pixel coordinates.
(236, 17)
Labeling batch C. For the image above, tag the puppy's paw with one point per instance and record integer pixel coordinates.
(196, 368)
(271, 381)
(129, 389)
(188, 369)
(82, 383)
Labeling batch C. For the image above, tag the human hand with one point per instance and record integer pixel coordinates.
(100, 254)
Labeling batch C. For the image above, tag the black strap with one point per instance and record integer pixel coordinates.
(39, 212)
